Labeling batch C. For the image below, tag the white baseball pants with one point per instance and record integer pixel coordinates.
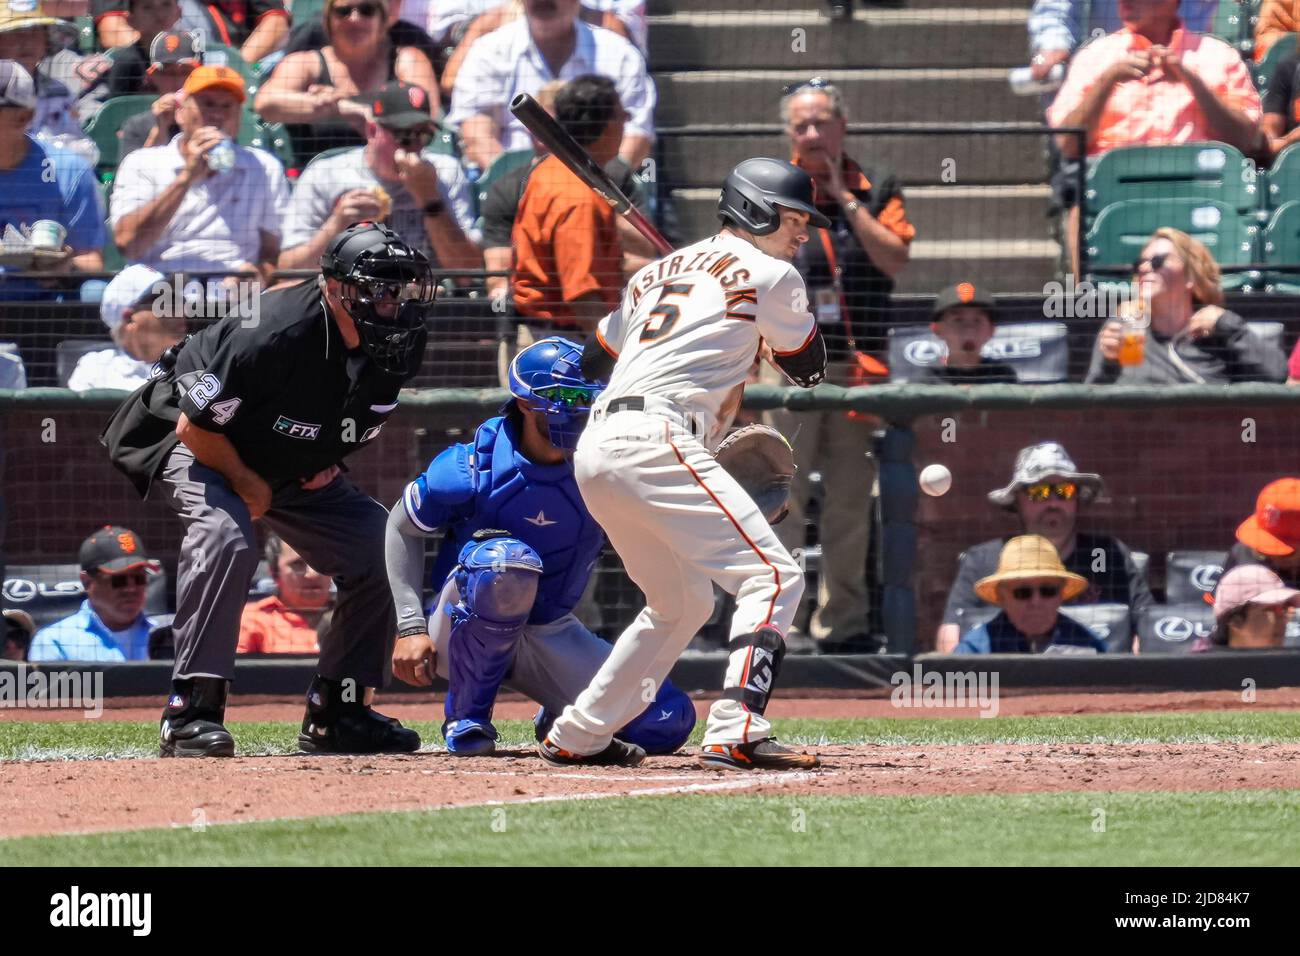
(679, 522)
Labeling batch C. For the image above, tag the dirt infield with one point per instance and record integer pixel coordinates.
(43, 797)
(82, 796)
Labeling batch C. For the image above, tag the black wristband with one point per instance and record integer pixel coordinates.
(410, 630)
(435, 208)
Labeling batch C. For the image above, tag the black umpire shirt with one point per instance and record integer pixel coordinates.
(286, 391)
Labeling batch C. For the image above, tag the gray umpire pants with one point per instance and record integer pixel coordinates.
(337, 529)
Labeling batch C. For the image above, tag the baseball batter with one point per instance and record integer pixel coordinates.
(680, 346)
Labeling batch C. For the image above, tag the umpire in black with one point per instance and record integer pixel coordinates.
(249, 420)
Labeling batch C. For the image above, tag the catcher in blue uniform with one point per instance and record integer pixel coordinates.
(519, 549)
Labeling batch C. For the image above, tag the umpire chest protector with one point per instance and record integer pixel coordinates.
(538, 504)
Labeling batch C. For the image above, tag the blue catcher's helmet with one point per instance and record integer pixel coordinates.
(547, 375)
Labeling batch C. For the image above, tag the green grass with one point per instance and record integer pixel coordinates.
(24, 740)
(1245, 828)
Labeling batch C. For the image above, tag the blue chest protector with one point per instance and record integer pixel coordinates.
(488, 483)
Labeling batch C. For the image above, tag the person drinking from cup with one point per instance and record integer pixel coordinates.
(1175, 330)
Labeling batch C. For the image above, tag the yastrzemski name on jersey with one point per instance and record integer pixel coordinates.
(690, 326)
(287, 392)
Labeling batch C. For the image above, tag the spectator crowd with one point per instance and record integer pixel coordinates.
(399, 112)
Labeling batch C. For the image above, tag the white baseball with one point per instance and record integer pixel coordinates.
(935, 480)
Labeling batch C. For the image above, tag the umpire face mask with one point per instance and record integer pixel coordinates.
(389, 305)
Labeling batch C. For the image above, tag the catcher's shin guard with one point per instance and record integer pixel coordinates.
(763, 652)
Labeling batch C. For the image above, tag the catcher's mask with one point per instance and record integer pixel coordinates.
(387, 288)
(547, 376)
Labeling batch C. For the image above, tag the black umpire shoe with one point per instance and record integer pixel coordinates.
(617, 754)
(335, 725)
(192, 720)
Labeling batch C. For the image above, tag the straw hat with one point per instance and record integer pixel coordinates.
(1025, 558)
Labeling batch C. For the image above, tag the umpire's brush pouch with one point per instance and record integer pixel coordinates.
(142, 431)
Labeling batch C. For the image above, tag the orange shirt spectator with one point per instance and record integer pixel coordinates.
(568, 258)
(1276, 19)
(287, 622)
(270, 627)
(1192, 88)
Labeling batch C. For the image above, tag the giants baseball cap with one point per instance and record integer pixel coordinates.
(1274, 528)
(963, 293)
(398, 105)
(215, 78)
(130, 288)
(173, 46)
(1251, 584)
(112, 549)
(16, 86)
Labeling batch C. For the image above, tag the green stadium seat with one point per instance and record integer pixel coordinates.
(1210, 171)
(218, 54)
(1234, 22)
(103, 126)
(1122, 229)
(272, 137)
(1282, 248)
(1283, 178)
(500, 166)
(305, 10)
(1284, 46)
(445, 143)
(87, 40)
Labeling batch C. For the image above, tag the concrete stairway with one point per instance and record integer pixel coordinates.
(720, 66)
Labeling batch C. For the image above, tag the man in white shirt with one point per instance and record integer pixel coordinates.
(142, 326)
(423, 197)
(549, 42)
(171, 210)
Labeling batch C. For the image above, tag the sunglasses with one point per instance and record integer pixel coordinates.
(1157, 262)
(366, 10)
(416, 138)
(1026, 592)
(816, 83)
(1065, 490)
(566, 395)
(135, 579)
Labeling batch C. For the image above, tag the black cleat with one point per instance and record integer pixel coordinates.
(765, 754)
(191, 723)
(617, 754)
(334, 726)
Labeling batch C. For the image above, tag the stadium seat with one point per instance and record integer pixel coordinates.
(1234, 23)
(1191, 171)
(1122, 229)
(104, 126)
(1173, 628)
(500, 166)
(1263, 71)
(68, 352)
(1038, 351)
(13, 373)
(1110, 622)
(1283, 178)
(305, 10)
(1141, 561)
(272, 137)
(1282, 248)
(50, 592)
(218, 54)
(1191, 575)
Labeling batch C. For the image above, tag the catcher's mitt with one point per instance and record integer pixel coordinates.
(762, 462)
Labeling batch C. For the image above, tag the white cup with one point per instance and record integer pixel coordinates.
(48, 234)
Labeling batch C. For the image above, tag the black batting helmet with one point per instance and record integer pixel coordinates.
(387, 289)
(753, 190)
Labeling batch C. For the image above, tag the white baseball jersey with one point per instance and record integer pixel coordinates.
(691, 323)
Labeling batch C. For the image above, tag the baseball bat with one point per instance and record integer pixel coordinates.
(553, 136)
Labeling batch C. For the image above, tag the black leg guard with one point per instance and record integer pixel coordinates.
(766, 651)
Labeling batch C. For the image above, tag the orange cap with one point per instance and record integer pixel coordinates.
(215, 77)
(1274, 528)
